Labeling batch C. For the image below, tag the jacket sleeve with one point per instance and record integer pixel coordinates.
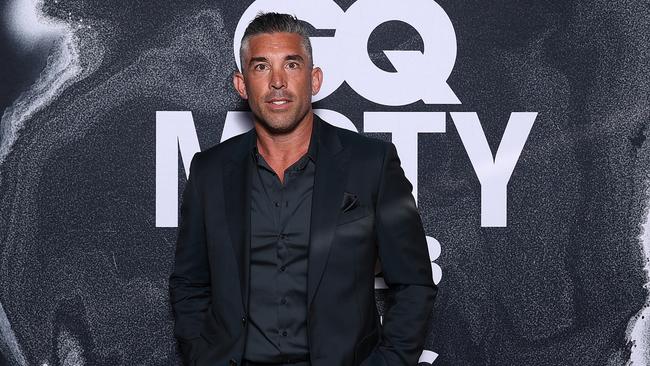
(406, 266)
(189, 284)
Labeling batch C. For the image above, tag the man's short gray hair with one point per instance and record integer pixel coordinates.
(274, 23)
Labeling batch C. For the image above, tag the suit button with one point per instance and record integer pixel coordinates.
(243, 321)
(232, 362)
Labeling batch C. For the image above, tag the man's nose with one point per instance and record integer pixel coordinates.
(278, 80)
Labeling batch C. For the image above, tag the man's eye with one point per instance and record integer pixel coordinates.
(260, 67)
(292, 65)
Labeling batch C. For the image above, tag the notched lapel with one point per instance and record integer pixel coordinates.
(329, 186)
(237, 188)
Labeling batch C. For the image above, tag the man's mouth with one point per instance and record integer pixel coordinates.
(278, 104)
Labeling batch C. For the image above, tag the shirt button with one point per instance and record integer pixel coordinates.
(277, 204)
(283, 268)
(243, 321)
(284, 300)
(284, 333)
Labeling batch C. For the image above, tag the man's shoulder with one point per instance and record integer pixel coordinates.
(225, 149)
(222, 152)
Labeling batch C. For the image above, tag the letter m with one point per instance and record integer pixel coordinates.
(175, 132)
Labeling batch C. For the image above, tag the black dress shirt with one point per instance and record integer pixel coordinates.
(280, 226)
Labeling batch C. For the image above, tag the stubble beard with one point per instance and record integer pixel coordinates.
(276, 126)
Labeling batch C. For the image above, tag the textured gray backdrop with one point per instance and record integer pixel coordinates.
(83, 268)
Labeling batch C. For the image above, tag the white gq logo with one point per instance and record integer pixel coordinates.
(344, 57)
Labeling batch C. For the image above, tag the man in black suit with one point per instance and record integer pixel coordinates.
(282, 227)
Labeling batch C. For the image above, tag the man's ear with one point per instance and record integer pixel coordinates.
(316, 80)
(240, 86)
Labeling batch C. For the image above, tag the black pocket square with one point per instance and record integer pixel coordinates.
(350, 201)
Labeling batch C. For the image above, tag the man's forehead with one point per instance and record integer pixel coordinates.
(277, 42)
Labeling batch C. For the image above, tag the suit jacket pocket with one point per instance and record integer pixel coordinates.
(355, 214)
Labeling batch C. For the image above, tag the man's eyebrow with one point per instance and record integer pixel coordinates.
(257, 59)
(294, 58)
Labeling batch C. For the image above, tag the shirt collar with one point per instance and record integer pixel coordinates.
(312, 151)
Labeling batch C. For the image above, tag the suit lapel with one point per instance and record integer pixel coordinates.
(329, 185)
(237, 194)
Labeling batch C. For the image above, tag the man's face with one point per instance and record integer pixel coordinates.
(278, 80)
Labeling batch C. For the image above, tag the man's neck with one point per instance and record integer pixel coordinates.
(282, 150)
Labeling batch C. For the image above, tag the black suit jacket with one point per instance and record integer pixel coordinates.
(362, 208)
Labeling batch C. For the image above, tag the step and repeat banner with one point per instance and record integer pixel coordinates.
(522, 126)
